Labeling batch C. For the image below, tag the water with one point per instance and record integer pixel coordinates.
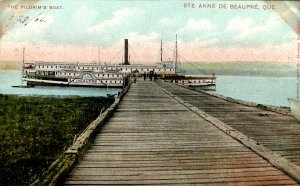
(10, 78)
(263, 90)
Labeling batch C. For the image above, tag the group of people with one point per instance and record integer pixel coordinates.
(151, 76)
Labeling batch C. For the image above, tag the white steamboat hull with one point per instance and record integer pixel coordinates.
(295, 107)
(211, 87)
(62, 83)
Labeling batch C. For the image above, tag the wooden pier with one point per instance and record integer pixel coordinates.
(279, 132)
(157, 138)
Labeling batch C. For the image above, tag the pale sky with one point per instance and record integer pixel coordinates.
(75, 32)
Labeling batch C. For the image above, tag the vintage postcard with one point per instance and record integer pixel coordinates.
(103, 92)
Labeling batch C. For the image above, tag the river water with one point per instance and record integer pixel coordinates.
(259, 89)
(264, 90)
(10, 78)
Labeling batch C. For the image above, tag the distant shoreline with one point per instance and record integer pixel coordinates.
(272, 69)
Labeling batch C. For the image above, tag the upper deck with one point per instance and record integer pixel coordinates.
(94, 67)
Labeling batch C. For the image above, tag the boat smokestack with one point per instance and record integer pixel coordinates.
(126, 61)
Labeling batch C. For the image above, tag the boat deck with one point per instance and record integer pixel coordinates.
(154, 139)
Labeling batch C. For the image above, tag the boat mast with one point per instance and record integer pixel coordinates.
(298, 59)
(176, 55)
(23, 55)
(22, 74)
(99, 56)
(161, 51)
(298, 74)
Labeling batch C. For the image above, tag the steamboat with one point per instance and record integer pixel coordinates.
(102, 75)
(89, 74)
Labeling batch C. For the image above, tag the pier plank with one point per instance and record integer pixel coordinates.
(278, 132)
(152, 139)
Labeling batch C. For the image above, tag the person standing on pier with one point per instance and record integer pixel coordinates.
(150, 76)
(155, 76)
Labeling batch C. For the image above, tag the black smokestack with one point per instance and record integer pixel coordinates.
(126, 62)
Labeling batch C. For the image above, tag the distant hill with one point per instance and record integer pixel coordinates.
(219, 68)
(241, 68)
(8, 65)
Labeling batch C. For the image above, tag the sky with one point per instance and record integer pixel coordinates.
(94, 30)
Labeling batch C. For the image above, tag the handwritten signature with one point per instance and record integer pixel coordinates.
(25, 20)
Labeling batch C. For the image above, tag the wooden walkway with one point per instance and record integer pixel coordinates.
(278, 132)
(153, 139)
